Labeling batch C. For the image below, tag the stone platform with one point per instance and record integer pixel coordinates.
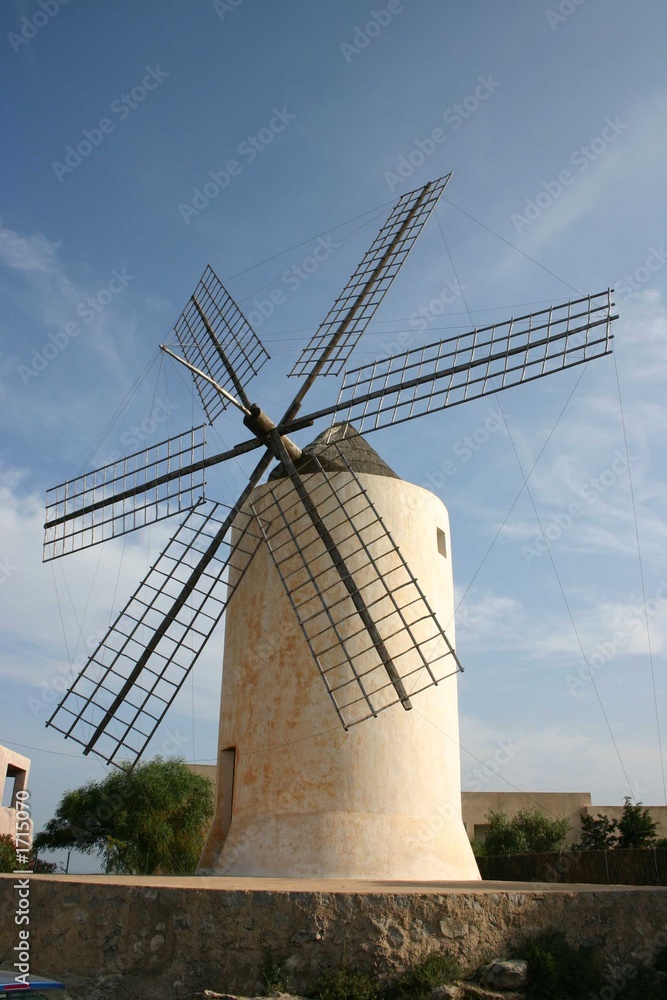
(169, 936)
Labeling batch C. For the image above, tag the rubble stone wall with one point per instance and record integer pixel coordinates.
(170, 937)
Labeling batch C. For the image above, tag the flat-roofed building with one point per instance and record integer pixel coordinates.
(14, 771)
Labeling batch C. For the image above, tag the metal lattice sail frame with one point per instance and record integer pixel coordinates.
(100, 505)
(217, 339)
(372, 634)
(364, 670)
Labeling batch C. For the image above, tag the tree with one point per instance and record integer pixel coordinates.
(9, 860)
(636, 828)
(148, 820)
(531, 831)
(597, 834)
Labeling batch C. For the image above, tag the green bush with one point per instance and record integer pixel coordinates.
(7, 853)
(275, 976)
(597, 834)
(642, 985)
(146, 820)
(531, 831)
(478, 848)
(661, 960)
(9, 859)
(635, 827)
(345, 984)
(418, 981)
(557, 971)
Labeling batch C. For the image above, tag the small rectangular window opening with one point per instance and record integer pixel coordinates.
(8, 790)
(226, 776)
(480, 832)
(442, 542)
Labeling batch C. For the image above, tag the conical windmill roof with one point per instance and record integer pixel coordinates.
(359, 454)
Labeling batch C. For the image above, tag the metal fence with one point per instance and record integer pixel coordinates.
(75, 862)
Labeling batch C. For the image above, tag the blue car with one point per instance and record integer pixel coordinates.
(44, 989)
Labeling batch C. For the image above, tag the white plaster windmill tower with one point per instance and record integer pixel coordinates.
(335, 576)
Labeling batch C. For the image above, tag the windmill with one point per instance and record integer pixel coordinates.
(315, 586)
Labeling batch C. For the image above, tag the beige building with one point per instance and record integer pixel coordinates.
(477, 805)
(14, 771)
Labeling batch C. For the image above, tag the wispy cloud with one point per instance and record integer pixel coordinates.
(78, 597)
(44, 286)
(28, 253)
(599, 169)
(562, 758)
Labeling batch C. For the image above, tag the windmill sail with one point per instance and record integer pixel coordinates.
(366, 668)
(126, 687)
(479, 363)
(122, 496)
(369, 627)
(216, 338)
(334, 341)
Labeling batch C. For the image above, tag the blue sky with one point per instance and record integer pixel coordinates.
(552, 119)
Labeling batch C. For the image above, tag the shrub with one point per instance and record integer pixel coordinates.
(418, 981)
(276, 976)
(531, 831)
(557, 971)
(7, 853)
(478, 848)
(597, 834)
(150, 819)
(635, 827)
(643, 984)
(345, 984)
(9, 861)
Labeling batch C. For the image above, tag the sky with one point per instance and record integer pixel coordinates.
(145, 141)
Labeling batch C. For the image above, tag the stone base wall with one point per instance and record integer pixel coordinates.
(160, 937)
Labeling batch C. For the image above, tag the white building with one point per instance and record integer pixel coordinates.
(297, 795)
(14, 771)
